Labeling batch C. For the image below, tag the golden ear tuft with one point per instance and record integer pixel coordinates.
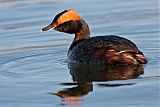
(67, 16)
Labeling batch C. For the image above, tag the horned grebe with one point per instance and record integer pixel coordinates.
(100, 49)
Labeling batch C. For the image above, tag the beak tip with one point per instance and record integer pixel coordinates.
(47, 28)
(50, 27)
(44, 29)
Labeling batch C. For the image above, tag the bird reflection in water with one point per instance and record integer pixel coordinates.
(72, 96)
(98, 72)
(85, 74)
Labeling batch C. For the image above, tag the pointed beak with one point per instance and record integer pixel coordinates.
(49, 27)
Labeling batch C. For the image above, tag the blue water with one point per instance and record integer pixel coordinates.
(33, 71)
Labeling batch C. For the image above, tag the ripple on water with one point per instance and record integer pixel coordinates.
(24, 62)
(32, 63)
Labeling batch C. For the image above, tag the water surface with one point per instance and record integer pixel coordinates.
(33, 72)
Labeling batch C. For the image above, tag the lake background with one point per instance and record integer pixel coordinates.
(32, 63)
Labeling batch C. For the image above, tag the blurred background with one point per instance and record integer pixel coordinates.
(33, 71)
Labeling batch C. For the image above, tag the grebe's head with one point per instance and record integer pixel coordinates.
(67, 21)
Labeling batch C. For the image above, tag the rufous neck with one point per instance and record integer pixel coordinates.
(83, 34)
